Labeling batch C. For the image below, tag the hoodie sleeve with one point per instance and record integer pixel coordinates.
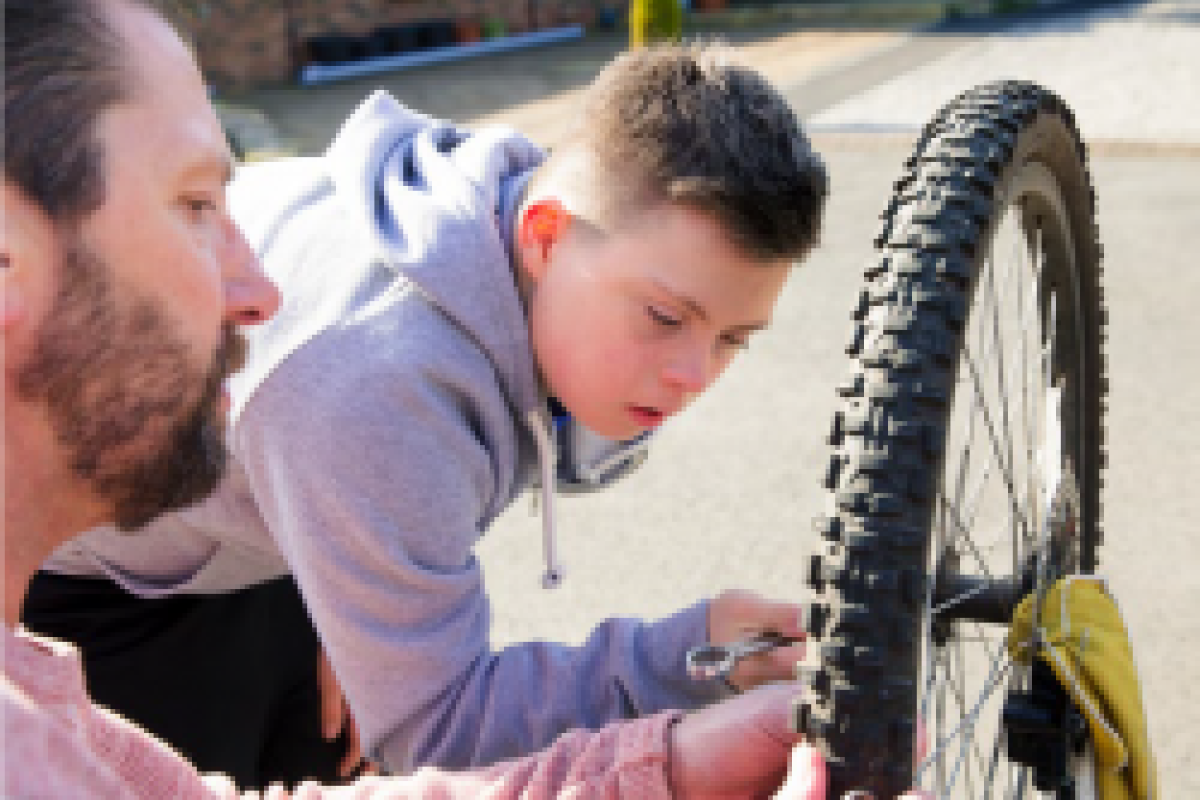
(375, 475)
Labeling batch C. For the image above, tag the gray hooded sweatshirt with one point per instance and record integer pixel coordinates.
(385, 418)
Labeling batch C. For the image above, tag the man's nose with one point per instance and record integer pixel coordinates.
(250, 296)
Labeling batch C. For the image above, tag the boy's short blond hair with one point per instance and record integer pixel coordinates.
(688, 125)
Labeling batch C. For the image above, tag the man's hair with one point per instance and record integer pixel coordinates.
(64, 64)
(686, 125)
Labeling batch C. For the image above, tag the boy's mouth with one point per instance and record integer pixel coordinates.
(646, 416)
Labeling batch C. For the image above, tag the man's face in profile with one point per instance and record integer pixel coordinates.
(140, 421)
(135, 341)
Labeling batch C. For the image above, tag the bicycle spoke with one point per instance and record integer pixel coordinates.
(953, 601)
(963, 534)
(1043, 548)
(968, 740)
(999, 358)
(993, 764)
(1029, 413)
(999, 668)
(956, 688)
(985, 640)
(928, 670)
(996, 449)
(940, 711)
(1015, 376)
(960, 482)
(927, 623)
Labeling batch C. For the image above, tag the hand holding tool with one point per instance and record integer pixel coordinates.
(718, 660)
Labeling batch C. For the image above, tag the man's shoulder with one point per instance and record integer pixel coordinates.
(43, 755)
(57, 743)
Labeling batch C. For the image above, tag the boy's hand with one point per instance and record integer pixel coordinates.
(335, 716)
(737, 615)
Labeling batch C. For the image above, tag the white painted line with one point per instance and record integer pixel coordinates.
(324, 73)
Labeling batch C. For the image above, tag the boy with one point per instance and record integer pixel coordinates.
(464, 318)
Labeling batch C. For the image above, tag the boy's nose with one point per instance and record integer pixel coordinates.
(250, 296)
(691, 370)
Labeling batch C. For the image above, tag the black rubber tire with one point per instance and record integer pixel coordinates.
(889, 436)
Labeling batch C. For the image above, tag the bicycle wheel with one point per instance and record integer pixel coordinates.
(966, 451)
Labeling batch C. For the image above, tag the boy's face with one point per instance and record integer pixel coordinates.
(628, 327)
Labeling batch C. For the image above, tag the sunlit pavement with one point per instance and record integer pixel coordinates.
(1130, 72)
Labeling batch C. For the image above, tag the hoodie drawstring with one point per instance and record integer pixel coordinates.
(546, 458)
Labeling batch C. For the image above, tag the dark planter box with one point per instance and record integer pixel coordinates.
(435, 33)
(330, 49)
(394, 39)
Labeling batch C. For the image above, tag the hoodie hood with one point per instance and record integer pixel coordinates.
(419, 188)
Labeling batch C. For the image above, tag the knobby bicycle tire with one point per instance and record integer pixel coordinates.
(871, 575)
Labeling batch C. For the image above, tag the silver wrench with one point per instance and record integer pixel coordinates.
(718, 660)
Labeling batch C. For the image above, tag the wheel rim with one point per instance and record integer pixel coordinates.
(1007, 499)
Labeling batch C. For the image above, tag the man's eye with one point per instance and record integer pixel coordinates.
(199, 205)
(662, 318)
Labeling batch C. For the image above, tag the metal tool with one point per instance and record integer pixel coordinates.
(718, 660)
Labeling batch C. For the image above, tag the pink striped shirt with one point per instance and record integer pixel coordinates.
(59, 744)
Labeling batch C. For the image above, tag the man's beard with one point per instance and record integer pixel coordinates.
(141, 423)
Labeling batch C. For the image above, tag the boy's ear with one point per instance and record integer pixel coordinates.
(540, 228)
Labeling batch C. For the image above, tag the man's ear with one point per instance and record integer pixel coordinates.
(12, 247)
(12, 303)
(540, 228)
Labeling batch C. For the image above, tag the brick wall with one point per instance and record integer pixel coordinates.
(254, 42)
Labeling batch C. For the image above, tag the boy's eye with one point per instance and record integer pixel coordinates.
(736, 341)
(662, 317)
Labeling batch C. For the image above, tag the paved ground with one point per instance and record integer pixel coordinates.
(726, 499)
(1130, 73)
